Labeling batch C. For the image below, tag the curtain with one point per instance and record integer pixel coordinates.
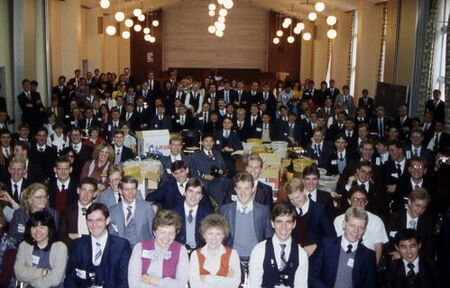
(380, 72)
(447, 78)
(426, 84)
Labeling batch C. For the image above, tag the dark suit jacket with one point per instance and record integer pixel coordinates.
(167, 164)
(373, 127)
(113, 269)
(263, 195)
(369, 106)
(202, 212)
(438, 112)
(322, 159)
(165, 123)
(25, 184)
(333, 131)
(333, 93)
(396, 275)
(245, 132)
(425, 230)
(134, 120)
(233, 140)
(126, 154)
(332, 166)
(324, 263)
(297, 133)
(272, 131)
(46, 159)
(72, 196)
(31, 114)
(261, 221)
(176, 124)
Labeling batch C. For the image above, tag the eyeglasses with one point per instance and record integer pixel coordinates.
(359, 200)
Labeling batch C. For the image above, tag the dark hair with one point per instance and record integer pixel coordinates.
(40, 129)
(62, 159)
(364, 163)
(40, 218)
(89, 181)
(397, 143)
(195, 182)
(98, 206)
(24, 145)
(282, 209)
(311, 170)
(406, 234)
(177, 165)
(129, 180)
(243, 177)
(357, 188)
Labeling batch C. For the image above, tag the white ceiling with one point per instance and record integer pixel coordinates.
(291, 7)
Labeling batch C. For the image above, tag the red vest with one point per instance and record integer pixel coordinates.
(224, 261)
(169, 265)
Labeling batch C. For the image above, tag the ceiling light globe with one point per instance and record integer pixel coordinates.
(126, 34)
(319, 6)
(331, 20)
(147, 37)
(307, 36)
(110, 30)
(219, 33)
(332, 34)
(137, 27)
(312, 16)
(228, 4)
(155, 23)
(141, 17)
(152, 39)
(221, 19)
(285, 25)
(128, 23)
(290, 39)
(104, 4)
(211, 13)
(119, 16)
(279, 33)
(137, 12)
(212, 29)
(212, 6)
(276, 40)
(146, 30)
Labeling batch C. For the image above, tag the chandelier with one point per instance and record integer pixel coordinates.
(223, 7)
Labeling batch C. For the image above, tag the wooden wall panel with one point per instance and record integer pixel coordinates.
(187, 42)
(141, 49)
(283, 57)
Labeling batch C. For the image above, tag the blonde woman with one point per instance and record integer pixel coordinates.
(97, 168)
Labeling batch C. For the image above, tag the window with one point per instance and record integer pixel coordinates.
(440, 50)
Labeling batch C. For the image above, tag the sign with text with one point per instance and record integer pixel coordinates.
(153, 141)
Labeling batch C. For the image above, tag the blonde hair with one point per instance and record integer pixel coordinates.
(99, 148)
(28, 193)
(294, 185)
(215, 221)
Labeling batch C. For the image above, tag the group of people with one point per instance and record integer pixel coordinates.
(70, 217)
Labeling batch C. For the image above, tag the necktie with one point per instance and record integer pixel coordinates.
(345, 99)
(327, 111)
(436, 142)
(205, 117)
(300, 212)
(399, 168)
(266, 126)
(6, 153)
(416, 186)
(283, 257)
(16, 191)
(41, 150)
(435, 104)
(253, 120)
(118, 151)
(226, 134)
(340, 157)
(190, 217)
(140, 109)
(182, 185)
(63, 187)
(128, 116)
(210, 155)
(244, 210)
(265, 96)
(413, 224)
(349, 248)
(416, 152)
(98, 254)
(240, 125)
(129, 214)
(160, 117)
(310, 196)
(411, 275)
(83, 211)
(119, 199)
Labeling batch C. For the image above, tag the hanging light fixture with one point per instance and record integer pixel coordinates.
(228, 4)
(111, 30)
(279, 33)
(104, 4)
(212, 29)
(276, 40)
(155, 23)
(212, 7)
(211, 13)
(128, 23)
(312, 16)
(319, 6)
(299, 28)
(219, 33)
(137, 12)
(141, 17)
(332, 34)
(147, 37)
(119, 16)
(221, 19)
(152, 39)
(331, 20)
(137, 27)
(290, 39)
(307, 36)
(126, 34)
(146, 30)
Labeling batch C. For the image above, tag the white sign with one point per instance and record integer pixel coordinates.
(153, 141)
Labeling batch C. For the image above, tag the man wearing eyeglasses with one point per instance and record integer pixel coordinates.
(375, 235)
(62, 191)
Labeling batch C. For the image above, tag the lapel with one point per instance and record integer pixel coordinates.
(256, 220)
(233, 208)
(333, 257)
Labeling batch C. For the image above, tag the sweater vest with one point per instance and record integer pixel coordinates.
(224, 263)
(272, 276)
(169, 265)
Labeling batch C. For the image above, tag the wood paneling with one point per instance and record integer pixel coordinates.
(283, 57)
(142, 50)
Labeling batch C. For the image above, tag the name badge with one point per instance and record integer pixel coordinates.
(218, 142)
(258, 129)
(408, 154)
(67, 116)
(285, 134)
(149, 254)
(72, 122)
(168, 171)
(333, 162)
(350, 262)
(156, 125)
(392, 233)
(21, 228)
(378, 161)
(35, 260)
(109, 127)
(80, 273)
(234, 198)
(200, 118)
(178, 121)
(395, 175)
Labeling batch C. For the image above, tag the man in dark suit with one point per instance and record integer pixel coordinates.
(153, 86)
(72, 224)
(291, 131)
(145, 114)
(311, 177)
(410, 271)
(99, 258)
(440, 140)
(121, 153)
(413, 218)
(313, 220)
(55, 108)
(62, 92)
(31, 105)
(427, 127)
(320, 149)
(269, 99)
(344, 261)
(308, 92)
(253, 118)
(228, 141)
(161, 120)
(366, 102)
(175, 94)
(182, 120)
(263, 192)
(341, 156)
(245, 213)
(403, 121)
(131, 117)
(17, 183)
(380, 124)
(266, 131)
(175, 147)
(240, 97)
(226, 93)
(88, 121)
(62, 191)
(436, 106)
(192, 212)
(241, 124)
(43, 154)
(132, 218)
(416, 148)
(112, 125)
(336, 128)
(84, 153)
(333, 91)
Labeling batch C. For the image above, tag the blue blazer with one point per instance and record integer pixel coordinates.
(143, 217)
(112, 271)
(202, 212)
(324, 263)
(261, 221)
(167, 163)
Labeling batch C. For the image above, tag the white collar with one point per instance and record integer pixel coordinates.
(66, 184)
(415, 263)
(187, 208)
(345, 243)
(249, 206)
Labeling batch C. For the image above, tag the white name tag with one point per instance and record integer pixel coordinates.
(168, 171)
(333, 162)
(408, 154)
(149, 254)
(392, 233)
(72, 122)
(285, 134)
(350, 262)
(109, 127)
(178, 121)
(80, 273)
(67, 116)
(258, 129)
(156, 125)
(35, 260)
(378, 161)
(395, 175)
(217, 142)
(200, 118)
(20, 228)
(234, 198)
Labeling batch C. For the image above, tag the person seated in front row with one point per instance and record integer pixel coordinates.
(132, 218)
(249, 221)
(344, 261)
(192, 211)
(208, 164)
(98, 259)
(160, 261)
(214, 263)
(41, 260)
(175, 146)
(375, 235)
(411, 270)
(284, 263)
(111, 195)
(313, 221)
